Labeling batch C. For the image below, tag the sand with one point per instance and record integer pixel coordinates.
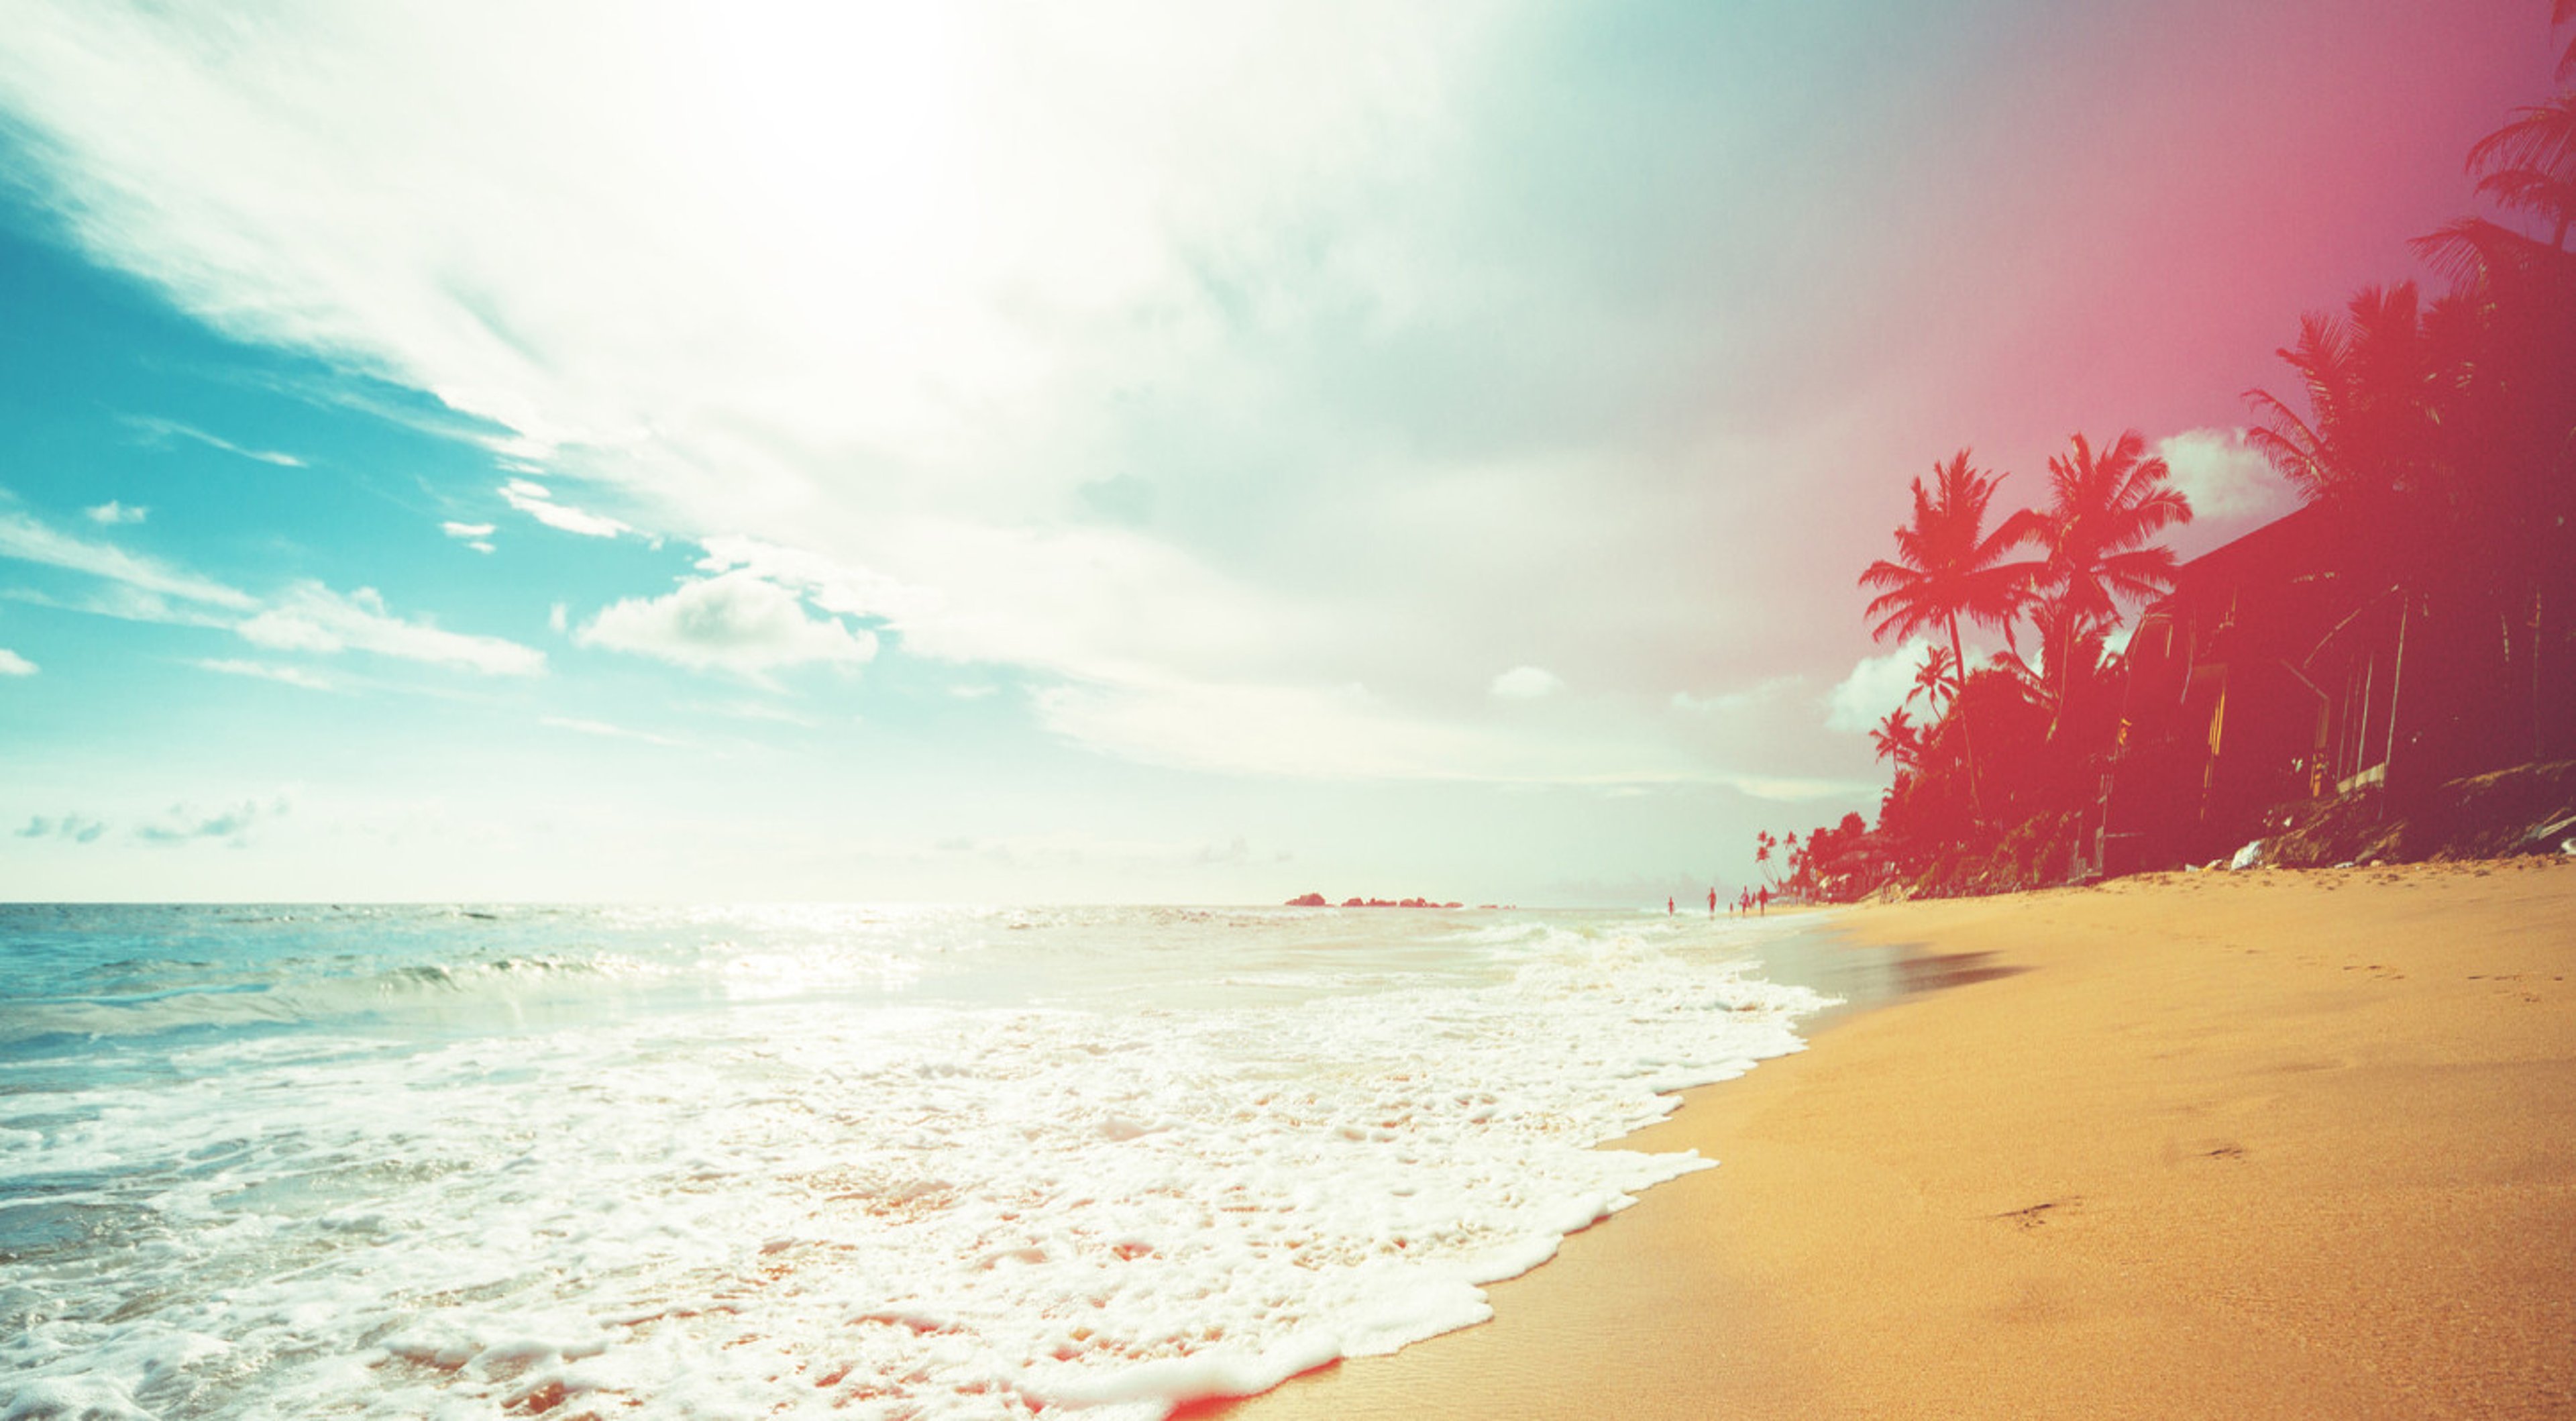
(2271, 1144)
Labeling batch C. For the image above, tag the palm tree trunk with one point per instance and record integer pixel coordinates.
(1967, 740)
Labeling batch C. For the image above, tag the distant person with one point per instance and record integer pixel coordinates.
(1712, 902)
(1764, 898)
(1744, 902)
(1668, 906)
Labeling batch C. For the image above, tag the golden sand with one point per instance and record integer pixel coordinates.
(2272, 1144)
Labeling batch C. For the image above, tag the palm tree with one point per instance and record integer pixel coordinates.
(2103, 507)
(2529, 165)
(2375, 380)
(1936, 680)
(1896, 738)
(1948, 566)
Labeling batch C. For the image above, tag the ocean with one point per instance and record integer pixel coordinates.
(858, 1161)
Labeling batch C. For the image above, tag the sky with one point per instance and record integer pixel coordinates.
(1119, 452)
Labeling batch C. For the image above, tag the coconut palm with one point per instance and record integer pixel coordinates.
(2529, 165)
(1936, 680)
(1948, 566)
(2103, 508)
(2375, 380)
(1897, 739)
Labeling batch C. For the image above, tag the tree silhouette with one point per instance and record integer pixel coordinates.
(1936, 680)
(2103, 508)
(1949, 566)
(2529, 165)
(2375, 380)
(1896, 738)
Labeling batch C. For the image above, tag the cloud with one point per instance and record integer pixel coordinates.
(74, 827)
(534, 500)
(1876, 685)
(735, 621)
(27, 540)
(183, 824)
(607, 731)
(829, 583)
(113, 512)
(1526, 683)
(306, 617)
(1729, 702)
(12, 664)
(477, 536)
(2224, 478)
(163, 430)
(313, 618)
(267, 671)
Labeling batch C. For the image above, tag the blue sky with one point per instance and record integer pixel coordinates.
(1143, 453)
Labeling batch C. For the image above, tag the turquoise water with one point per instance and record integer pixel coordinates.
(859, 1161)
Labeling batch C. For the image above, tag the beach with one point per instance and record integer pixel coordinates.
(2259, 1144)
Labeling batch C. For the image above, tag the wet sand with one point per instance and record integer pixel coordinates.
(2271, 1144)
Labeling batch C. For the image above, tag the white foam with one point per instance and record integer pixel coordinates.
(803, 1206)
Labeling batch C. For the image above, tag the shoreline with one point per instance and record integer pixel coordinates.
(2276, 1143)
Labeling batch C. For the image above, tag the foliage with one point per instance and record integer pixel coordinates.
(2445, 433)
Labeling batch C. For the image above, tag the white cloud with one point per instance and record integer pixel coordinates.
(1729, 702)
(1876, 685)
(306, 617)
(267, 671)
(2223, 477)
(12, 664)
(466, 530)
(80, 829)
(606, 730)
(734, 621)
(1526, 683)
(186, 824)
(113, 512)
(162, 429)
(827, 582)
(27, 540)
(313, 618)
(875, 294)
(534, 500)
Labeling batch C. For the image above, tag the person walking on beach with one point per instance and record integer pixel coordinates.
(1712, 902)
(1764, 898)
(1668, 905)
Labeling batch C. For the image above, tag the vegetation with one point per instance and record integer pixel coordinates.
(2442, 433)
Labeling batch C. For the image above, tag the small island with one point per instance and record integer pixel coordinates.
(1318, 900)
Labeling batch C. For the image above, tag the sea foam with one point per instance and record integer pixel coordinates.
(848, 1173)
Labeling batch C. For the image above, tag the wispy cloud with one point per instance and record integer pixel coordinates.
(534, 500)
(27, 540)
(113, 512)
(80, 829)
(306, 617)
(477, 536)
(606, 730)
(163, 430)
(12, 664)
(312, 617)
(268, 671)
(183, 824)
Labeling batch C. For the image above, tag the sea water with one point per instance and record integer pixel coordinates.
(861, 1161)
